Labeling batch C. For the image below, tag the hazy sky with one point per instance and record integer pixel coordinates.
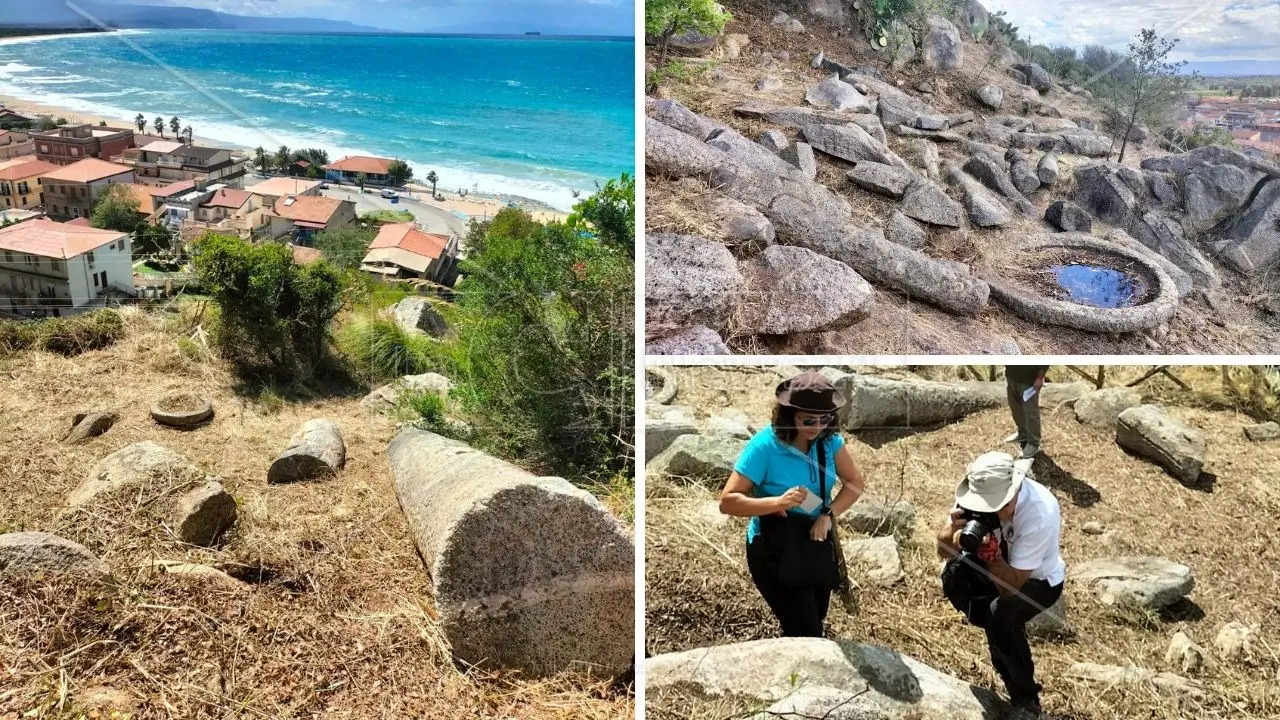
(1209, 29)
(609, 17)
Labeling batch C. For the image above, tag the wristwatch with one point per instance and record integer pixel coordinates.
(827, 511)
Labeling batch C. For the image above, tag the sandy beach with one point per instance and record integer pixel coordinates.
(476, 204)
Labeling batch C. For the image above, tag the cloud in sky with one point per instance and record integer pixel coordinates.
(1208, 29)
(610, 17)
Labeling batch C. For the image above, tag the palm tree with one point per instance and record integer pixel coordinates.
(141, 122)
(260, 158)
(159, 125)
(433, 178)
(175, 125)
(360, 178)
(187, 131)
(283, 158)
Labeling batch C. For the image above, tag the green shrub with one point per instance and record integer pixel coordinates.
(382, 350)
(274, 314)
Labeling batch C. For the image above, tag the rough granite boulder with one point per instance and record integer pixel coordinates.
(787, 23)
(1149, 582)
(1250, 239)
(879, 517)
(816, 677)
(740, 227)
(1100, 408)
(86, 426)
(698, 457)
(689, 281)
(836, 94)
(942, 50)
(990, 95)
(1101, 192)
(513, 556)
(27, 554)
(905, 231)
(675, 115)
(1023, 175)
(1037, 77)
(1134, 677)
(1148, 432)
(416, 314)
(1234, 642)
(1068, 217)
(1184, 653)
(992, 174)
(386, 397)
(906, 50)
(139, 464)
(924, 154)
(851, 143)
(1263, 432)
(875, 559)
(795, 290)
(801, 155)
(928, 202)
(883, 179)
(1051, 622)
(1211, 193)
(774, 140)
(204, 514)
(697, 340)
(1047, 169)
(662, 430)
(984, 208)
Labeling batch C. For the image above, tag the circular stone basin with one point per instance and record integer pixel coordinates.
(1076, 280)
(1099, 286)
(181, 410)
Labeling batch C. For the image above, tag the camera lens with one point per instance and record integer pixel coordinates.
(972, 535)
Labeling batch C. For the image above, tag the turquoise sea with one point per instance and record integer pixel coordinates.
(536, 117)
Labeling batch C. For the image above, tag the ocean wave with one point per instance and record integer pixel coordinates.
(513, 83)
(301, 87)
(54, 79)
(9, 70)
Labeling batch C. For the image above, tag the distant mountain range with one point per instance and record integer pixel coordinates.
(162, 17)
(1235, 68)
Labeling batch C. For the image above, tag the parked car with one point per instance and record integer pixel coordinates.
(324, 185)
(389, 193)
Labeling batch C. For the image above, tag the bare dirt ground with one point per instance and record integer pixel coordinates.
(334, 616)
(698, 591)
(1233, 321)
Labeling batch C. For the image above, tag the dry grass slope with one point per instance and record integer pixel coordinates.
(698, 592)
(334, 616)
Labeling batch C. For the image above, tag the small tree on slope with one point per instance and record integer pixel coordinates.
(1151, 86)
(664, 19)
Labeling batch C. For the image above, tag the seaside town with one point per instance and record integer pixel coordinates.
(1254, 123)
(55, 262)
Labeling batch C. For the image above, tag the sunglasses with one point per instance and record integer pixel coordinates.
(819, 420)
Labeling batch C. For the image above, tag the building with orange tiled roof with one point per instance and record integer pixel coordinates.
(274, 188)
(376, 170)
(71, 191)
(301, 216)
(50, 268)
(20, 181)
(401, 250)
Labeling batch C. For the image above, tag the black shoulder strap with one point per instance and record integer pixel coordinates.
(822, 472)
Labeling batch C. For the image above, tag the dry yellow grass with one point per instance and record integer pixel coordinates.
(335, 617)
(698, 592)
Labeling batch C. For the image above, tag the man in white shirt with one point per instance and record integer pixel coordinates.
(1021, 559)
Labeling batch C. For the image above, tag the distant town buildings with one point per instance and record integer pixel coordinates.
(376, 170)
(73, 143)
(71, 191)
(51, 269)
(162, 162)
(273, 189)
(301, 216)
(16, 143)
(1254, 123)
(20, 181)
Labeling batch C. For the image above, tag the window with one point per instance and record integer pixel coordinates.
(8, 256)
(44, 148)
(104, 278)
(23, 188)
(57, 265)
(90, 256)
(7, 203)
(75, 152)
(95, 280)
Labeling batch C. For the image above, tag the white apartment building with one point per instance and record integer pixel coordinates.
(55, 269)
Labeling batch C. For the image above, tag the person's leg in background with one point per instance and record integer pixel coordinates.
(1014, 394)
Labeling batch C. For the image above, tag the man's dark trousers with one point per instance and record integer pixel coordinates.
(1005, 618)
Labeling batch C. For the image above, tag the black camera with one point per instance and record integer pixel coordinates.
(978, 527)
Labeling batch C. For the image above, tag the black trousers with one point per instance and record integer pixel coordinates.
(801, 611)
(1005, 618)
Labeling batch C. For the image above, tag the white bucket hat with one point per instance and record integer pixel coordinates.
(990, 482)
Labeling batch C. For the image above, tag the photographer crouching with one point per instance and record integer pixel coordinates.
(1003, 565)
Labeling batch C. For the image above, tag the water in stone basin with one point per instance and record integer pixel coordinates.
(1097, 285)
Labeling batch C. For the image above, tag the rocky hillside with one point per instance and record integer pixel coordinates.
(807, 194)
(1167, 498)
(255, 562)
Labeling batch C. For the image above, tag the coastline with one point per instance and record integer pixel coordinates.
(475, 204)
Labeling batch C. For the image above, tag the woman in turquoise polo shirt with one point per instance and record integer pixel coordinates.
(777, 475)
